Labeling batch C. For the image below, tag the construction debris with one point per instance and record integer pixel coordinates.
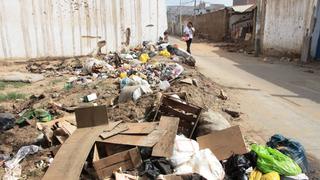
(125, 115)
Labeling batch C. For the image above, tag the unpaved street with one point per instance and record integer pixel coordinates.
(274, 97)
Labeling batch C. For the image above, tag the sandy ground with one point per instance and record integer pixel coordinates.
(274, 97)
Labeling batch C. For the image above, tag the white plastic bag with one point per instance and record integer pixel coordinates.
(187, 158)
(164, 85)
(183, 150)
(205, 163)
(21, 154)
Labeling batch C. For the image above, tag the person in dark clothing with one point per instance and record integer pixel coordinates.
(188, 33)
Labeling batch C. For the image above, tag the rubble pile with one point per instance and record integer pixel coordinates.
(140, 113)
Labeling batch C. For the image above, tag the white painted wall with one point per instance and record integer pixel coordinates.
(286, 22)
(41, 28)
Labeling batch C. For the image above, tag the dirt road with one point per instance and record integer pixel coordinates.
(275, 98)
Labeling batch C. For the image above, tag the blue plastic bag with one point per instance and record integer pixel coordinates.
(291, 148)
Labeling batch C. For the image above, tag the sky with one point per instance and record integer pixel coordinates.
(190, 2)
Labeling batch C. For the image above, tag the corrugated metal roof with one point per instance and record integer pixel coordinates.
(243, 8)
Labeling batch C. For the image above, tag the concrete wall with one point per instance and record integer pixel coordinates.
(243, 2)
(286, 22)
(212, 25)
(41, 28)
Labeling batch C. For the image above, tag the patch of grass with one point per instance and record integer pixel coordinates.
(4, 84)
(12, 96)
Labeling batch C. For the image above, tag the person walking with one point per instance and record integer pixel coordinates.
(188, 33)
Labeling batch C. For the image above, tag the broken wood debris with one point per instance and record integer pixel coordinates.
(188, 114)
(125, 160)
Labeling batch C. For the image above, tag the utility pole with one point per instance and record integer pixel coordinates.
(180, 18)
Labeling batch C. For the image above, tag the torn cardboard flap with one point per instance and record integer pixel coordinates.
(224, 143)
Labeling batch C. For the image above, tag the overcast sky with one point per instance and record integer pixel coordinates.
(189, 2)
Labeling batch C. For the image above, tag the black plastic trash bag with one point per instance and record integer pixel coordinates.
(7, 121)
(154, 167)
(291, 148)
(236, 165)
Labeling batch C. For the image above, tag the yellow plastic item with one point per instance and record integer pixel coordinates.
(144, 57)
(165, 53)
(271, 176)
(255, 175)
(123, 75)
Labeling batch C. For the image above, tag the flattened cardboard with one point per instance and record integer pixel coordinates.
(140, 128)
(224, 143)
(126, 160)
(137, 140)
(91, 116)
(70, 158)
(164, 148)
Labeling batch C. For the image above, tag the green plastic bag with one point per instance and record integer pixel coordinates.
(273, 160)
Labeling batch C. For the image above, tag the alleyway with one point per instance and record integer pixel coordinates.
(275, 98)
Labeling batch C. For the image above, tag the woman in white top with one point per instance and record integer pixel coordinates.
(188, 33)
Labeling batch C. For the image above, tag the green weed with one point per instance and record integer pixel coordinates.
(12, 96)
(4, 84)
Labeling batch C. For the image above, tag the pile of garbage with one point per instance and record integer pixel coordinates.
(139, 112)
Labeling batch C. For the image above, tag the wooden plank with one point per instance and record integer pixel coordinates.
(112, 125)
(224, 143)
(126, 160)
(135, 157)
(107, 172)
(110, 160)
(164, 148)
(69, 161)
(140, 128)
(179, 105)
(67, 127)
(137, 140)
(120, 128)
